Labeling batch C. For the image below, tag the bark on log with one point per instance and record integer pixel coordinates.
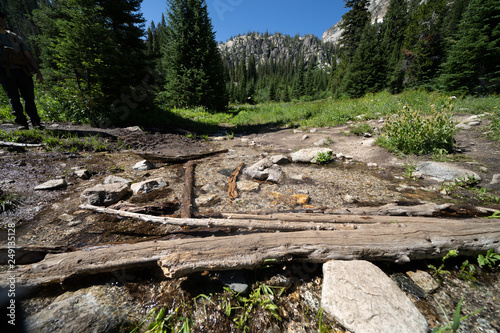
(397, 242)
(232, 187)
(178, 159)
(21, 145)
(187, 195)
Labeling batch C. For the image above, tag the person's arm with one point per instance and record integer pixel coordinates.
(34, 65)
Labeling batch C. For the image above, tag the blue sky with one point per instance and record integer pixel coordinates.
(233, 17)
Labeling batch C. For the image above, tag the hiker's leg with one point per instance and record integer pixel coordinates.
(27, 91)
(10, 85)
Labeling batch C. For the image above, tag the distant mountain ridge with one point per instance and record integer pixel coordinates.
(276, 47)
(378, 8)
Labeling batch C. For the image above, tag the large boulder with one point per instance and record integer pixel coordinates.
(104, 195)
(149, 185)
(309, 155)
(364, 299)
(445, 172)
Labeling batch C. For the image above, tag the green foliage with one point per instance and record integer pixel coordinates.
(464, 188)
(8, 201)
(191, 61)
(438, 271)
(412, 132)
(473, 64)
(360, 129)
(453, 326)
(323, 158)
(491, 259)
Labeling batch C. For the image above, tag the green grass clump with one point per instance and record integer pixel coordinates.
(412, 132)
(8, 201)
(360, 129)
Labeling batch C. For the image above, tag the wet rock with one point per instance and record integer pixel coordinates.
(308, 155)
(363, 299)
(424, 280)
(82, 173)
(104, 195)
(207, 200)
(265, 169)
(444, 172)
(143, 166)
(279, 159)
(56, 184)
(96, 309)
(149, 185)
(234, 280)
(115, 179)
(247, 186)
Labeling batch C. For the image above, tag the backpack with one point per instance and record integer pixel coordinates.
(14, 56)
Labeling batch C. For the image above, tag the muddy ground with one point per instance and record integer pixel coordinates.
(53, 218)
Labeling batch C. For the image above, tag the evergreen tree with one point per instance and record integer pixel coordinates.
(392, 31)
(192, 63)
(353, 23)
(365, 73)
(473, 64)
(93, 49)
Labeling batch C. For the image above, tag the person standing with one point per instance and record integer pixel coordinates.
(16, 67)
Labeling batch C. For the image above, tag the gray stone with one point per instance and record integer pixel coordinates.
(209, 188)
(305, 137)
(279, 159)
(495, 180)
(82, 173)
(207, 200)
(234, 280)
(115, 179)
(247, 186)
(372, 165)
(143, 166)
(444, 172)
(424, 280)
(363, 299)
(462, 126)
(265, 169)
(149, 185)
(104, 195)
(308, 155)
(97, 309)
(274, 174)
(56, 184)
(322, 142)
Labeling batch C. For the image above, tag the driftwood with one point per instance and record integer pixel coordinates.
(396, 242)
(21, 145)
(28, 254)
(187, 195)
(179, 159)
(232, 188)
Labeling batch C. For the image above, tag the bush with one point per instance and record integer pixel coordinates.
(412, 132)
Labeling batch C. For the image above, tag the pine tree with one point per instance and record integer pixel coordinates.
(473, 65)
(93, 49)
(192, 64)
(353, 23)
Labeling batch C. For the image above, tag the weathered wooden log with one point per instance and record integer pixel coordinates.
(21, 145)
(179, 159)
(396, 242)
(187, 194)
(232, 187)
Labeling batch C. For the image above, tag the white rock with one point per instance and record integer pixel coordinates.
(363, 299)
(442, 172)
(207, 200)
(279, 159)
(307, 155)
(305, 137)
(372, 165)
(56, 184)
(424, 280)
(143, 166)
(115, 179)
(248, 186)
(149, 185)
(495, 179)
(322, 142)
(104, 195)
(82, 173)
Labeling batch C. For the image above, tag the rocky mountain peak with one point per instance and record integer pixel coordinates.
(378, 9)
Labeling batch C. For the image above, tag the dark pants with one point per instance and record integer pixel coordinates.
(19, 82)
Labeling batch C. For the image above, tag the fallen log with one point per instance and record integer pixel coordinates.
(396, 242)
(187, 194)
(232, 187)
(21, 145)
(180, 158)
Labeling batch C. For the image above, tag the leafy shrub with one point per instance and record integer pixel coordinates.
(412, 132)
(361, 129)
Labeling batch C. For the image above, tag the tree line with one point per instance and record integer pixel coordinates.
(102, 65)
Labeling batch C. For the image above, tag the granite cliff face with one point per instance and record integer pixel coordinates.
(378, 8)
(276, 47)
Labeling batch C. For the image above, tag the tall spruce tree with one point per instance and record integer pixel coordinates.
(191, 61)
(93, 49)
(353, 24)
(473, 64)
